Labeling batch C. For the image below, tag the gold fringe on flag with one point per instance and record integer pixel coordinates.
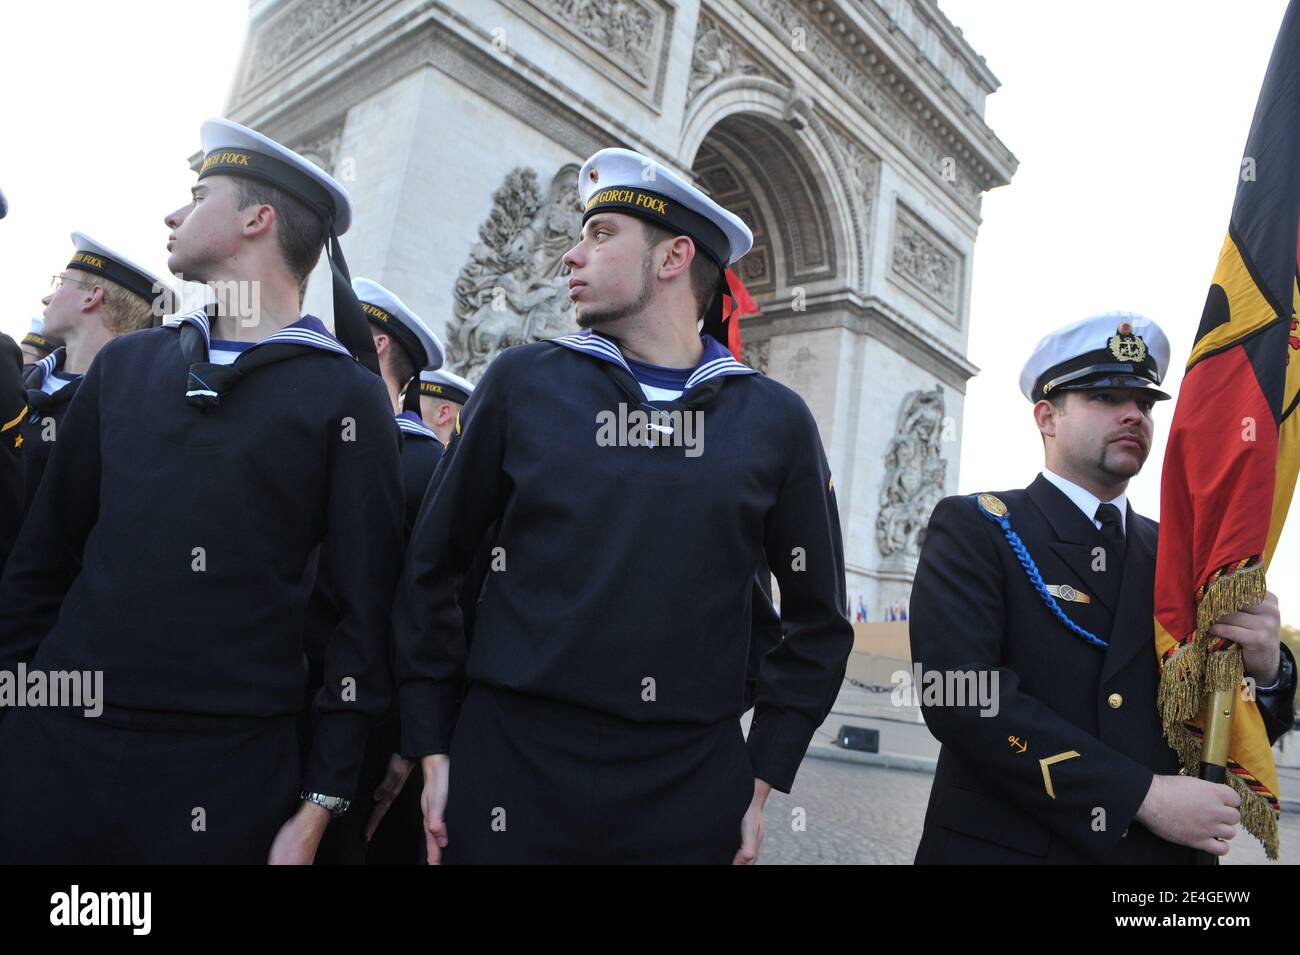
(1193, 670)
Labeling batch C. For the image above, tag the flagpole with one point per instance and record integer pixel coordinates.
(1216, 721)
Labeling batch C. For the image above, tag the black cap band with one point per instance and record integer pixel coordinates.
(1089, 368)
(405, 337)
(273, 172)
(39, 342)
(665, 212)
(133, 281)
(443, 391)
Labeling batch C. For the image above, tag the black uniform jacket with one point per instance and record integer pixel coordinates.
(1090, 713)
(44, 417)
(629, 571)
(13, 411)
(172, 549)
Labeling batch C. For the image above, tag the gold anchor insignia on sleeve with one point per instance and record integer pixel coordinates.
(1017, 743)
(1048, 761)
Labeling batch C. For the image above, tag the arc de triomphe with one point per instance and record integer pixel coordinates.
(849, 134)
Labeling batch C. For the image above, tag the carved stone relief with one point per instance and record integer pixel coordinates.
(514, 288)
(718, 55)
(631, 36)
(281, 39)
(925, 263)
(885, 97)
(914, 474)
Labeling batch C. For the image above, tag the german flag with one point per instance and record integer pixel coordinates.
(1234, 447)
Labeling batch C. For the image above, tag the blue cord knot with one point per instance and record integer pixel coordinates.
(1003, 520)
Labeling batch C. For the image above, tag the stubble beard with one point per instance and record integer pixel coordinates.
(635, 307)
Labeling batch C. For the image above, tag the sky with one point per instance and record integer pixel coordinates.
(1128, 119)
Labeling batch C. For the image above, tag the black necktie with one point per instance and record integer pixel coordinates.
(1112, 530)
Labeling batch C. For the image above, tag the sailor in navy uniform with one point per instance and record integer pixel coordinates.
(13, 411)
(442, 397)
(171, 551)
(404, 345)
(607, 669)
(36, 344)
(1050, 589)
(99, 295)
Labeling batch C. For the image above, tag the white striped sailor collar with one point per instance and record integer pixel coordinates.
(716, 361)
(411, 423)
(50, 364)
(308, 331)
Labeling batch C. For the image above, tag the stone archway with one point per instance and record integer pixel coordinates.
(759, 148)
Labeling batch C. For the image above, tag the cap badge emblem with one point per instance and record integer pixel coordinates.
(1126, 346)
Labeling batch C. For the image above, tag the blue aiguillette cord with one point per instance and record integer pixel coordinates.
(1031, 570)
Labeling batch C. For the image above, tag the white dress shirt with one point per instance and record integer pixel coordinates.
(1088, 502)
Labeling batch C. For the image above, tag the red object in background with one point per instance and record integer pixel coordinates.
(736, 304)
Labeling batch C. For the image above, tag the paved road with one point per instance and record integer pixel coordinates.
(853, 813)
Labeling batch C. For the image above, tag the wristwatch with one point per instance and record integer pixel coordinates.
(1283, 677)
(334, 805)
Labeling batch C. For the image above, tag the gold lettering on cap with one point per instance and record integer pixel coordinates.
(224, 158)
(631, 197)
(375, 312)
(94, 261)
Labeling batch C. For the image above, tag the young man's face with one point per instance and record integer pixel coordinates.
(611, 272)
(207, 231)
(68, 305)
(1105, 433)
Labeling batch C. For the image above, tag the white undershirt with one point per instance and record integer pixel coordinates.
(660, 394)
(57, 381)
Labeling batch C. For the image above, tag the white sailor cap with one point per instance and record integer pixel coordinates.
(1114, 350)
(35, 337)
(98, 259)
(443, 384)
(620, 180)
(233, 150)
(388, 312)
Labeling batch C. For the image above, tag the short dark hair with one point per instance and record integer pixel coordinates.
(1058, 398)
(400, 361)
(705, 274)
(300, 232)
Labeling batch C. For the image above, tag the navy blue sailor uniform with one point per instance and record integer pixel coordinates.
(193, 530)
(49, 391)
(13, 411)
(641, 570)
(607, 671)
(1010, 591)
(397, 840)
(170, 553)
(50, 386)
